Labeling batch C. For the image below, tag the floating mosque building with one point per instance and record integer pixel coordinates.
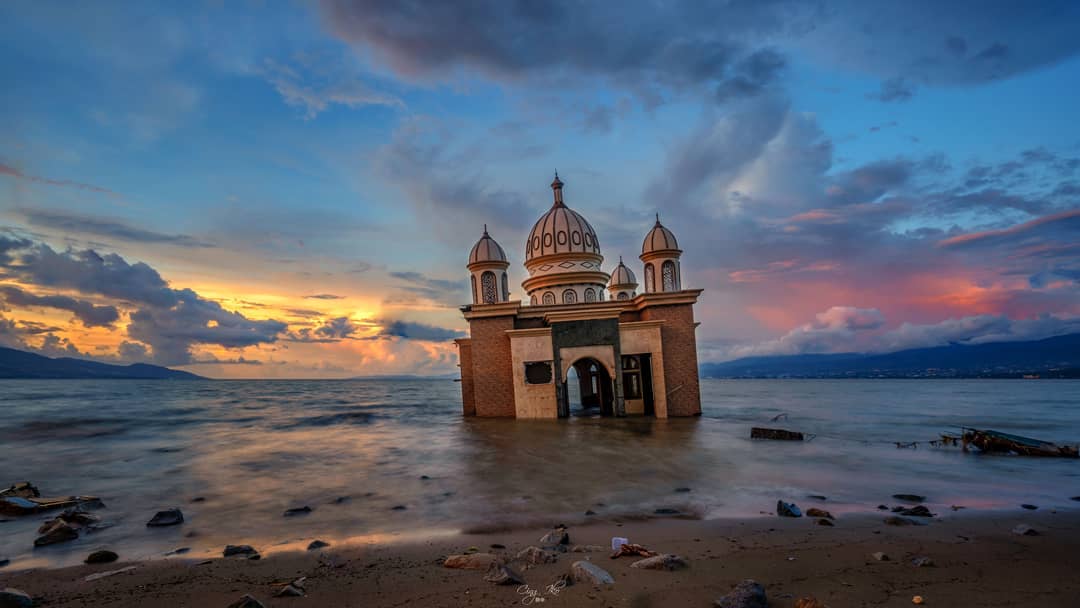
(632, 346)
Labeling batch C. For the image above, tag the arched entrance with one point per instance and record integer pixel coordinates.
(589, 389)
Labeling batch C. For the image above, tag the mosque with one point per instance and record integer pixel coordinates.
(634, 352)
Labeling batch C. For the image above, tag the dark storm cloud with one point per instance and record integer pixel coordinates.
(87, 312)
(8, 244)
(418, 331)
(72, 223)
(675, 46)
(171, 321)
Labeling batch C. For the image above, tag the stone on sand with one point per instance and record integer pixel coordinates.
(246, 550)
(825, 522)
(501, 574)
(880, 556)
(588, 572)
(666, 561)
(14, 598)
(246, 602)
(168, 517)
(304, 510)
(917, 511)
(923, 562)
(101, 557)
(293, 589)
(787, 509)
(909, 497)
(472, 561)
(535, 556)
(1025, 530)
(902, 521)
(558, 536)
(815, 512)
(1028, 507)
(317, 544)
(57, 531)
(747, 594)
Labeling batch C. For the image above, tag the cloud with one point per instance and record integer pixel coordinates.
(72, 223)
(337, 329)
(314, 90)
(417, 331)
(1059, 226)
(86, 312)
(894, 89)
(18, 174)
(439, 290)
(324, 296)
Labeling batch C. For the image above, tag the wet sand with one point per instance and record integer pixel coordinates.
(978, 561)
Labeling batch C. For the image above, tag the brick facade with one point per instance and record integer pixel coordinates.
(465, 362)
(680, 357)
(492, 366)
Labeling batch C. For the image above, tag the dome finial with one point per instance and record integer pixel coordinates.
(485, 230)
(657, 218)
(556, 186)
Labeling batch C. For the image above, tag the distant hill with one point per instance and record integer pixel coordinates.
(21, 364)
(1057, 357)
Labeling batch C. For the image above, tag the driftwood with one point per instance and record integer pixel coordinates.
(778, 434)
(632, 549)
(994, 441)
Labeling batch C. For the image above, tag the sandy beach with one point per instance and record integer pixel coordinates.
(977, 560)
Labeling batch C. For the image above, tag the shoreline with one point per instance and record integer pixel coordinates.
(978, 560)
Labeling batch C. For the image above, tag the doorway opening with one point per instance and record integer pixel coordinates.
(589, 390)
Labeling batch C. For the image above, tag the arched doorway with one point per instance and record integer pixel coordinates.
(589, 390)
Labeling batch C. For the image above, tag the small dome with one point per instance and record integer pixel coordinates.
(560, 230)
(486, 250)
(659, 239)
(622, 276)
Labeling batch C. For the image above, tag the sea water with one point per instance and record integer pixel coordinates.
(379, 460)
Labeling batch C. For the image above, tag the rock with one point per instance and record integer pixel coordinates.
(923, 562)
(13, 598)
(787, 509)
(666, 561)
(901, 521)
(293, 589)
(747, 594)
(317, 544)
(1025, 530)
(501, 574)
(535, 555)
(590, 512)
(817, 497)
(473, 561)
(1028, 507)
(1076, 498)
(424, 477)
(882, 508)
(809, 602)
(23, 489)
(4, 561)
(79, 517)
(59, 531)
(825, 522)
(170, 517)
(558, 536)
(304, 510)
(682, 489)
(909, 497)
(399, 508)
(815, 512)
(666, 511)
(880, 556)
(587, 548)
(588, 572)
(246, 602)
(199, 499)
(101, 557)
(178, 551)
(497, 546)
(918, 599)
(231, 550)
(919, 511)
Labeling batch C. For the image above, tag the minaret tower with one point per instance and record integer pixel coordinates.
(660, 252)
(488, 264)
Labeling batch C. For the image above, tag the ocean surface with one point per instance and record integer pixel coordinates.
(355, 450)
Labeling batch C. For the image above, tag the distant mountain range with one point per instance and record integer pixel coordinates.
(21, 364)
(1057, 357)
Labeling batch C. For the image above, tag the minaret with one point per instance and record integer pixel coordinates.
(660, 253)
(623, 283)
(487, 265)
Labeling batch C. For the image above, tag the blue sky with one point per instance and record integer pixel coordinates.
(817, 161)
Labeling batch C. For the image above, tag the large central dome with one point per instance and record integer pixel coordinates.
(563, 257)
(560, 230)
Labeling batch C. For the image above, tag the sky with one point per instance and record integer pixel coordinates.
(290, 189)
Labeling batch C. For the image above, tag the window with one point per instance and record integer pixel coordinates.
(650, 285)
(569, 297)
(622, 296)
(538, 372)
(590, 295)
(506, 288)
(631, 365)
(668, 272)
(487, 283)
(532, 300)
(474, 298)
(549, 298)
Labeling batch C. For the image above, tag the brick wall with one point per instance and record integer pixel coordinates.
(465, 361)
(492, 366)
(680, 357)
